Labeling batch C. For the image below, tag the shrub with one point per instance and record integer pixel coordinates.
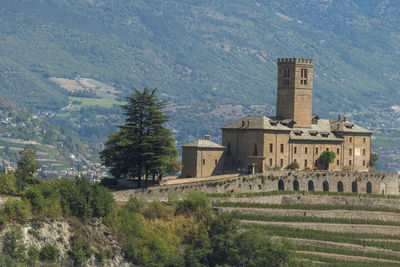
(292, 166)
(7, 183)
(49, 252)
(12, 245)
(18, 210)
(33, 256)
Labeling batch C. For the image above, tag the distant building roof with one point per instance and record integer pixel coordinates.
(204, 144)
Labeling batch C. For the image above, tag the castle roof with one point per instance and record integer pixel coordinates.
(322, 130)
(259, 122)
(347, 127)
(203, 144)
(318, 132)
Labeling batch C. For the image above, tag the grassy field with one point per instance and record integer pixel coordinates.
(322, 247)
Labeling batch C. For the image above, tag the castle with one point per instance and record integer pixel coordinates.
(255, 143)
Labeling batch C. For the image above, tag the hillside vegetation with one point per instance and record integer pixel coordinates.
(326, 234)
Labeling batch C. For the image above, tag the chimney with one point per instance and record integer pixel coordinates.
(207, 137)
(248, 123)
(344, 119)
(340, 117)
(243, 123)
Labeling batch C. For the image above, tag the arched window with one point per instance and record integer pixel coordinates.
(354, 187)
(369, 187)
(310, 186)
(295, 185)
(281, 185)
(340, 186)
(325, 186)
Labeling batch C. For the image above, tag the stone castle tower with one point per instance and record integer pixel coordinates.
(294, 97)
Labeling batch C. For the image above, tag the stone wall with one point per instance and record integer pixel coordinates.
(274, 180)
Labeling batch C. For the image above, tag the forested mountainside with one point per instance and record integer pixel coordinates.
(58, 147)
(203, 56)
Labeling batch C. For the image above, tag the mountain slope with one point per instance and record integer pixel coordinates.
(219, 52)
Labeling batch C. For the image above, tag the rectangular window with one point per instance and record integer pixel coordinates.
(271, 147)
(351, 139)
(305, 163)
(350, 162)
(281, 148)
(350, 151)
(364, 140)
(281, 162)
(295, 150)
(337, 151)
(327, 149)
(286, 76)
(204, 162)
(305, 150)
(363, 162)
(216, 162)
(364, 152)
(316, 150)
(303, 78)
(270, 162)
(337, 162)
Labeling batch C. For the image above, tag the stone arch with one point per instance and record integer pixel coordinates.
(340, 186)
(369, 187)
(310, 185)
(281, 185)
(383, 188)
(354, 187)
(295, 185)
(325, 186)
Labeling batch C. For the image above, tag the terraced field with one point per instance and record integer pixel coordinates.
(326, 230)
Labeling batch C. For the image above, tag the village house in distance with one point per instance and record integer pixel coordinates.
(254, 143)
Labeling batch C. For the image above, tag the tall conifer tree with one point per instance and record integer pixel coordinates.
(140, 147)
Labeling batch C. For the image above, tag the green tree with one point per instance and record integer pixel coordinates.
(49, 252)
(27, 167)
(326, 157)
(373, 158)
(142, 145)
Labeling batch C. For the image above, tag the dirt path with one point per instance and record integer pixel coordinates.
(349, 246)
(346, 257)
(343, 214)
(335, 227)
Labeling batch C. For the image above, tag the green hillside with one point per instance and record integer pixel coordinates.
(55, 145)
(218, 52)
(202, 56)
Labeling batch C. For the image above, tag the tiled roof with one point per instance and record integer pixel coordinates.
(318, 132)
(203, 144)
(347, 127)
(257, 122)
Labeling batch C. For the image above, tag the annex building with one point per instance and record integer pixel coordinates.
(253, 144)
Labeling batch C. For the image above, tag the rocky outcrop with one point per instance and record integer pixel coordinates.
(59, 234)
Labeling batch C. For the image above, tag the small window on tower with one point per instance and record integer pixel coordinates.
(295, 150)
(286, 76)
(271, 147)
(204, 162)
(303, 78)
